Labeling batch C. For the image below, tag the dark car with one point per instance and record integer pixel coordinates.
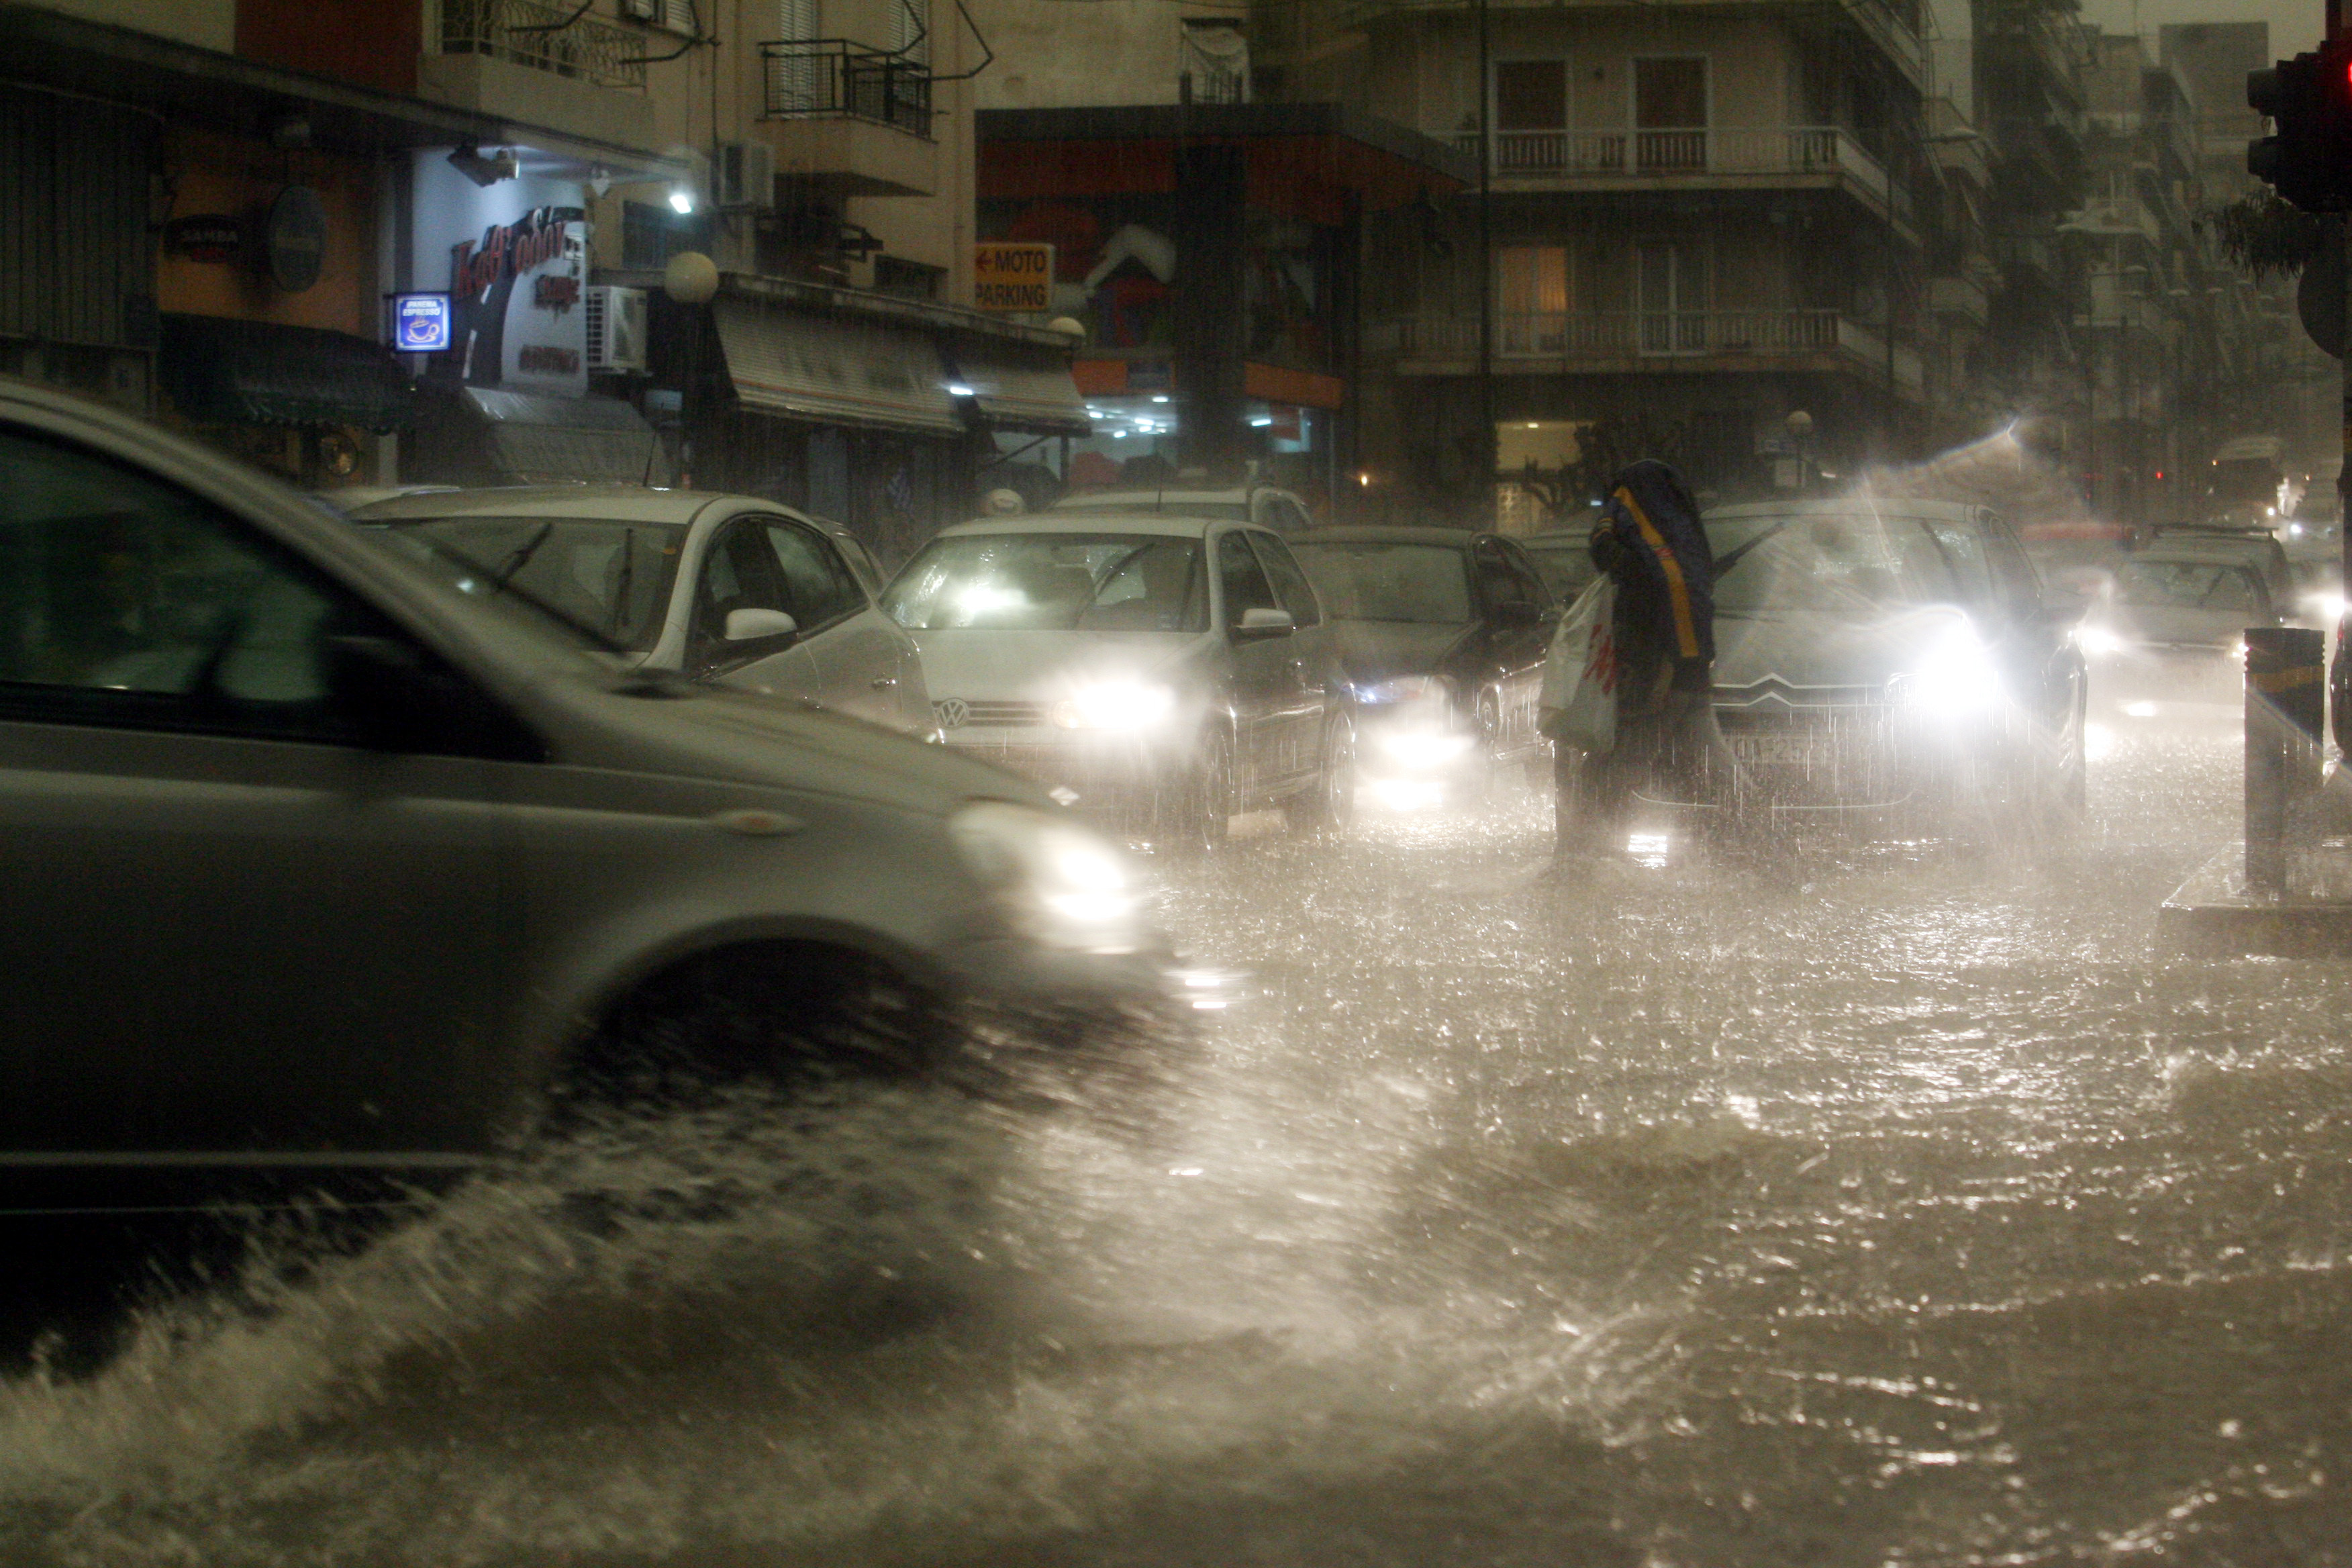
(1442, 635)
(1564, 557)
(1872, 655)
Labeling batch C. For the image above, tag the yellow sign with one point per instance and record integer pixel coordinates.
(1010, 275)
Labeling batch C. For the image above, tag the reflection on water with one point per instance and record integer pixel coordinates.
(1858, 1205)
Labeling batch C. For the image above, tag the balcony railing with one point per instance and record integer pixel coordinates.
(834, 79)
(1614, 154)
(545, 37)
(1600, 335)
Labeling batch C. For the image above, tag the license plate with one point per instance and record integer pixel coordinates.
(1781, 751)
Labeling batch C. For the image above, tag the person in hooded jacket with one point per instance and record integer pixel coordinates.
(1651, 544)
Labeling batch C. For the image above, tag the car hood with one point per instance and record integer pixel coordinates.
(2182, 623)
(675, 729)
(1813, 648)
(1037, 667)
(1381, 651)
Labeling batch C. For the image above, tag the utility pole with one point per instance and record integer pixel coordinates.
(1486, 446)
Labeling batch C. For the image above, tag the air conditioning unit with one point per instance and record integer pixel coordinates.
(616, 327)
(745, 176)
(654, 11)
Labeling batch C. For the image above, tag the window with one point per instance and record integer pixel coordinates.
(1157, 588)
(1531, 95)
(1670, 113)
(651, 234)
(911, 29)
(1671, 280)
(612, 578)
(1241, 579)
(1289, 582)
(1966, 553)
(1052, 582)
(1422, 585)
(913, 280)
(1502, 580)
(130, 603)
(1531, 296)
(818, 586)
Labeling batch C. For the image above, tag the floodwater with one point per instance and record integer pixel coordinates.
(1855, 1206)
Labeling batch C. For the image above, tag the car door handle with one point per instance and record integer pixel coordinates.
(885, 682)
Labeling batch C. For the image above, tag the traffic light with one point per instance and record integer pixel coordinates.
(2308, 156)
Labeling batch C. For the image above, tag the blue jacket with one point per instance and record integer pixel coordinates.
(1650, 540)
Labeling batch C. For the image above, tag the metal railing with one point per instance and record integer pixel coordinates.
(835, 79)
(545, 37)
(1604, 154)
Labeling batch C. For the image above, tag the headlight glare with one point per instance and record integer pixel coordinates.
(1955, 675)
(1423, 748)
(2098, 642)
(1403, 688)
(1115, 705)
(1059, 883)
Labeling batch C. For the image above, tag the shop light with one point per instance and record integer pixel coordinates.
(957, 389)
(682, 200)
(1262, 422)
(1159, 397)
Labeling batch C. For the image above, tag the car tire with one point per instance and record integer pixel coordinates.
(1329, 804)
(1197, 812)
(1483, 769)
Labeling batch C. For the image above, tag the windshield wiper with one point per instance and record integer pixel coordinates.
(522, 557)
(1730, 558)
(502, 584)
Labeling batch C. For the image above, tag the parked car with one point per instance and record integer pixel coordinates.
(1564, 557)
(1262, 504)
(1171, 670)
(2256, 547)
(330, 870)
(2179, 597)
(1875, 654)
(733, 589)
(1442, 635)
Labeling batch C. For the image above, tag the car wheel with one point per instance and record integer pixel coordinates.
(1198, 813)
(770, 1018)
(1487, 728)
(1330, 803)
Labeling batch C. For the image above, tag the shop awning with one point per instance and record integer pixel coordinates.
(537, 439)
(1014, 387)
(218, 370)
(807, 366)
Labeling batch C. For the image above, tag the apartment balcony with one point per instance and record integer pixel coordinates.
(1962, 297)
(1891, 26)
(1760, 157)
(1611, 343)
(541, 62)
(849, 119)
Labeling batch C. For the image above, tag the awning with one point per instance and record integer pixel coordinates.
(536, 440)
(219, 369)
(807, 366)
(1015, 388)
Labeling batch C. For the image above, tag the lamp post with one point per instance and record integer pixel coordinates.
(691, 280)
(1801, 428)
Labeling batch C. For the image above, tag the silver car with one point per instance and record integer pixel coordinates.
(320, 866)
(1171, 671)
(729, 588)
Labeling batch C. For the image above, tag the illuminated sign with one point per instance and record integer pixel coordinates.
(1013, 276)
(420, 323)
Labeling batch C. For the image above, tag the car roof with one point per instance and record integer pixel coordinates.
(616, 503)
(1174, 526)
(2215, 552)
(1460, 537)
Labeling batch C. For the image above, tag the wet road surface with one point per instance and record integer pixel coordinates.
(1849, 1205)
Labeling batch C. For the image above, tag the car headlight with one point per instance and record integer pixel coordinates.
(1955, 675)
(1115, 705)
(1060, 884)
(1423, 748)
(2097, 641)
(1403, 688)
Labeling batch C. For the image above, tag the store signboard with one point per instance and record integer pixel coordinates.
(1009, 275)
(421, 324)
(513, 256)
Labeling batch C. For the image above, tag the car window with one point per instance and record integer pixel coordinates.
(1566, 567)
(1369, 580)
(861, 560)
(739, 573)
(2013, 574)
(1531, 585)
(1963, 554)
(1852, 565)
(819, 588)
(612, 577)
(132, 603)
(1157, 587)
(1052, 582)
(1502, 579)
(1241, 578)
(2189, 585)
(1290, 585)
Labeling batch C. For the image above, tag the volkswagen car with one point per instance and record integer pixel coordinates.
(1166, 671)
(1442, 634)
(1877, 654)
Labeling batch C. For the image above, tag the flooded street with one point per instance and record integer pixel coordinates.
(1855, 1205)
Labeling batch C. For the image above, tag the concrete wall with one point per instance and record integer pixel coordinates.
(1051, 53)
(207, 24)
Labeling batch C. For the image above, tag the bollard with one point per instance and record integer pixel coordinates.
(2286, 692)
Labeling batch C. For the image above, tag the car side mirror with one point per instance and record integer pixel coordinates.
(746, 625)
(1516, 613)
(1265, 623)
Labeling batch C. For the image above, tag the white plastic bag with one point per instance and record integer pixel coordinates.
(1578, 705)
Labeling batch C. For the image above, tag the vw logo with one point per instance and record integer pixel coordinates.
(954, 712)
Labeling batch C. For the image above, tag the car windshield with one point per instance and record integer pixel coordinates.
(1053, 583)
(1565, 564)
(1373, 581)
(2187, 585)
(1851, 565)
(609, 578)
